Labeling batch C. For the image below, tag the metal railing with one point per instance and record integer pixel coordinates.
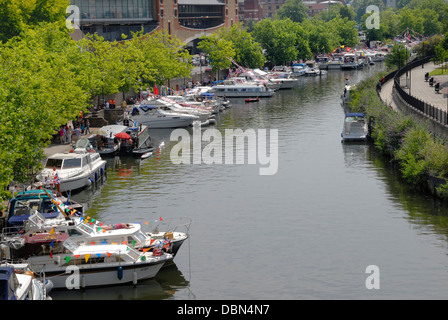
(425, 108)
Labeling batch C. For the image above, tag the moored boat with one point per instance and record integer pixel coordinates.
(73, 170)
(18, 282)
(355, 128)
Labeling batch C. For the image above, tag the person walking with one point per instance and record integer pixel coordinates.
(87, 130)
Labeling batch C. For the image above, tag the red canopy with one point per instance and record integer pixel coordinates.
(123, 135)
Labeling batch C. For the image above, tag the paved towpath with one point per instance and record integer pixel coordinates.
(419, 88)
(57, 147)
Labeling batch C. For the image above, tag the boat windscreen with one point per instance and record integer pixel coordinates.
(72, 163)
(54, 163)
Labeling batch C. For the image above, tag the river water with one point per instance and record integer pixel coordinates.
(312, 230)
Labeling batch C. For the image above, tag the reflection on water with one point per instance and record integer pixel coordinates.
(307, 232)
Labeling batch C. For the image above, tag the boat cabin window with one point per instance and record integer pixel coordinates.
(54, 163)
(354, 119)
(72, 163)
(86, 228)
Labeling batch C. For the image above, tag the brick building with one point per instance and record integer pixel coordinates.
(186, 19)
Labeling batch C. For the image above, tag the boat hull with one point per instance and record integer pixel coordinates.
(99, 276)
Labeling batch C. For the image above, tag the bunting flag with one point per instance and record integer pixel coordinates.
(98, 255)
(52, 231)
(133, 243)
(108, 254)
(152, 241)
(145, 250)
(52, 243)
(67, 259)
(51, 254)
(86, 257)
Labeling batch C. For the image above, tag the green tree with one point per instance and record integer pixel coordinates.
(360, 6)
(337, 10)
(320, 39)
(18, 15)
(248, 52)
(294, 10)
(42, 88)
(344, 31)
(398, 57)
(283, 40)
(218, 50)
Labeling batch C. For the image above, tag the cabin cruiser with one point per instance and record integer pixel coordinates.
(355, 128)
(104, 141)
(233, 89)
(350, 61)
(152, 116)
(73, 170)
(285, 78)
(299, 69)
(313, 71)
(134, 138)
(26, 202)
(98, 265)
(39, 234)
(198, 106)
(18, 282)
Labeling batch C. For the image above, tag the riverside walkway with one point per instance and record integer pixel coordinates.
(419, 88)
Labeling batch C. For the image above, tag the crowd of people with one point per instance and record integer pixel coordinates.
(69, 134)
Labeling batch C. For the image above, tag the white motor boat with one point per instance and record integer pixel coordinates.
(153, 117)
(98, 265)
(286, 80)
(233, 89)
(18, 282)
(41, 234)
(299, 69)
(355, 128)
(313, 71)
(73, 170)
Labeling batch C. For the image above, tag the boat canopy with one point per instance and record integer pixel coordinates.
(6, 273)
(354, 114)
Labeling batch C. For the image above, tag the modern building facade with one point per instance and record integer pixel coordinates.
(186, 19)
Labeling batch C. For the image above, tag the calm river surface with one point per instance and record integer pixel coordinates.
(307, 232)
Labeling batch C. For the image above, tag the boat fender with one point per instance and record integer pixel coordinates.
(101, 171)
(134, 277)
(120, 272)
(96, 176)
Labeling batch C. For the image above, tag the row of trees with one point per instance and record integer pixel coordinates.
(48, 79)
(421, 17)
(291, 35)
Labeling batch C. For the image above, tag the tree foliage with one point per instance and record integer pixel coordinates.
(18, 15)
(248, 52)
(295, 10)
